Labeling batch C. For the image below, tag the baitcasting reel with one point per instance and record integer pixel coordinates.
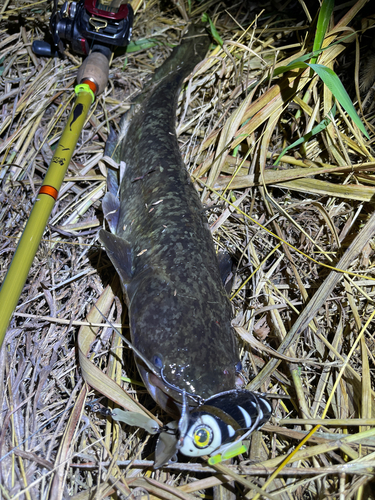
(95, 25)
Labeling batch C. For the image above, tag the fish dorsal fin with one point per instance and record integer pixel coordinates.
(111, 210)
(119, 251)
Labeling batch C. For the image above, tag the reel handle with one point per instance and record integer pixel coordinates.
(43, 49)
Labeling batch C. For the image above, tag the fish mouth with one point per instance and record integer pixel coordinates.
(171, 397)
(168, 398)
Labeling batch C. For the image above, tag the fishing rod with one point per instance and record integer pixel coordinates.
(95, 30)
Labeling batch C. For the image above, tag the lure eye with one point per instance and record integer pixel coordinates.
(203, 436)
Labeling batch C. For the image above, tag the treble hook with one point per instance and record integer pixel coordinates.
(184, 421)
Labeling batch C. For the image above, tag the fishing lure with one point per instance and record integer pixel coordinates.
(218, 427)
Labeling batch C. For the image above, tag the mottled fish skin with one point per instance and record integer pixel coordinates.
(180, 315)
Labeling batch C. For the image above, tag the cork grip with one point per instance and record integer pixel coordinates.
(96, 69)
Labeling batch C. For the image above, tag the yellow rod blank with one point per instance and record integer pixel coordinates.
(29, 242)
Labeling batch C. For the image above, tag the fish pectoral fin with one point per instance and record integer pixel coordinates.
(120, 253)
(112, 143)
(111, 210)
(226, 268)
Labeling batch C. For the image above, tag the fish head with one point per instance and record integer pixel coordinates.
(170, 396)
(198, 380)
(182, 362)
(175, 333)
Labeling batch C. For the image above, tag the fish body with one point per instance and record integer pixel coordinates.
(161, 246)
(180, 315)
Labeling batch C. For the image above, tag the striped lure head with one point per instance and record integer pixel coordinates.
(214, 428)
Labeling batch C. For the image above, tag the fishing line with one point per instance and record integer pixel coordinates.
(196, 398)
(130, 345)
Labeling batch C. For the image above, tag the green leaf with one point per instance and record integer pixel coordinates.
(334, 84)
(322, 25)
(315, 130)
(307, 57)
(143, 44)
(293, 65)
(214, 32)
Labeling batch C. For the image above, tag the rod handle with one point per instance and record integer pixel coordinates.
(96, 69)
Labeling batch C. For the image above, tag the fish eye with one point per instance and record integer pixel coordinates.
(238, 367)
(157, 361)
(203, 436)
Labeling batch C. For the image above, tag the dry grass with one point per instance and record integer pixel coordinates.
(304, 329)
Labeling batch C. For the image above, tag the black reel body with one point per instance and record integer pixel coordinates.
(88, 25)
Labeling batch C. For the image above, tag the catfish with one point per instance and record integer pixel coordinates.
(162, 249)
